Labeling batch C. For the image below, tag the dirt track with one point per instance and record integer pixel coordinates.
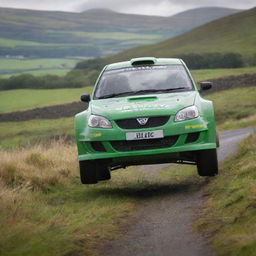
(69, 110)
(161, 225)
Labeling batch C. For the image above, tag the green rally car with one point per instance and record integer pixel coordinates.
(145, 111)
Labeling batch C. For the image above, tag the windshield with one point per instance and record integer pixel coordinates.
(142, 80)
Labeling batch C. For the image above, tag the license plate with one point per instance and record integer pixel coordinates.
(144, 135)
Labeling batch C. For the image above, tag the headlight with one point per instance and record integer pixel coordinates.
(99, 122)
(187, 114)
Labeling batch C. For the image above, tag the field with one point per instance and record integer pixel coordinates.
(57, 72)
(206, 74)
(7, 64)
(232, 110)
(13, 43)
(27, 99)
(26, 133)
(9, 67)
(17, 100)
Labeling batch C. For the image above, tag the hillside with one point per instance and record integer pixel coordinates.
(235, 33)
(98, 32)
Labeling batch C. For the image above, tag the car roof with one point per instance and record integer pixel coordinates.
(144, 61)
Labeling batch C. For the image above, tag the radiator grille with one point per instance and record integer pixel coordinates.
(131, 145)
(132, 123)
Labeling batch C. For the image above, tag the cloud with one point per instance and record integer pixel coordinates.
(151, 7)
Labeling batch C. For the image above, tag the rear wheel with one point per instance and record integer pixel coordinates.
(88, 172)
(207, 162)
(217, 140)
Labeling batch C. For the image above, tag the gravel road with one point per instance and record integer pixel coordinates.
(161, 226)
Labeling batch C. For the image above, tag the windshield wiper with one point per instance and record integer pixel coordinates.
(112, 95)
(158, 90)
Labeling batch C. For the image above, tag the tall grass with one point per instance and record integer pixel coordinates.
(45, 210)
(38, 167)
(230, 212)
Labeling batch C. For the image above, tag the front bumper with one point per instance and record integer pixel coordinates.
(94, 143)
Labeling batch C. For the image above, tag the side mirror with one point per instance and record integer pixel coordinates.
(205, 85)
(85, 98)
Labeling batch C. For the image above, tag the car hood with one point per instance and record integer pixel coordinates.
(142, 105)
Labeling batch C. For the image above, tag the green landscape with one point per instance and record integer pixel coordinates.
(44, 208)
(236, 34)
(36, 67)
(19, 100)
(63, 34)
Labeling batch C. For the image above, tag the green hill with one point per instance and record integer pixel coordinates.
(98, 32)
(235, 33)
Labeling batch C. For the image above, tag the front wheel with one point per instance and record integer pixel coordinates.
(88, 172)
(207, 162)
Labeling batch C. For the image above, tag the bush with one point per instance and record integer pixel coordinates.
(212, 60)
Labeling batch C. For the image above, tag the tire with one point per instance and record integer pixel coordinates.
(207, 162)
(103, 173)
(88, 172)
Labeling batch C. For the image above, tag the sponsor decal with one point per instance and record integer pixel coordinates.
(196, 126)
(142, 107)
(95, 135)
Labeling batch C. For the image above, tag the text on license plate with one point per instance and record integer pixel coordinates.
(144, 135)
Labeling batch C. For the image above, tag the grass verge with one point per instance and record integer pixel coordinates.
(234, 108)
(230, 212)
(24, 134)
(46, 211)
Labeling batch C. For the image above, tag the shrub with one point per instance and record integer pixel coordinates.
(212, 60)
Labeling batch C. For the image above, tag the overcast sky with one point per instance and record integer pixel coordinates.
(148, 7)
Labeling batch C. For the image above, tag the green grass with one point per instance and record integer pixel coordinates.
(46, 211)
(229, 214)
(24, 134)
(16, 64)
(230, 124)
(234, 104)
(57, 72)
(17, 100)
(28, 99)
(36, 67)
(118, 35)
(20, 134)
(13, 43)
(205, 74)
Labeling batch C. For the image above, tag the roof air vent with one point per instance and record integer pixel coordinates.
(143, 61)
